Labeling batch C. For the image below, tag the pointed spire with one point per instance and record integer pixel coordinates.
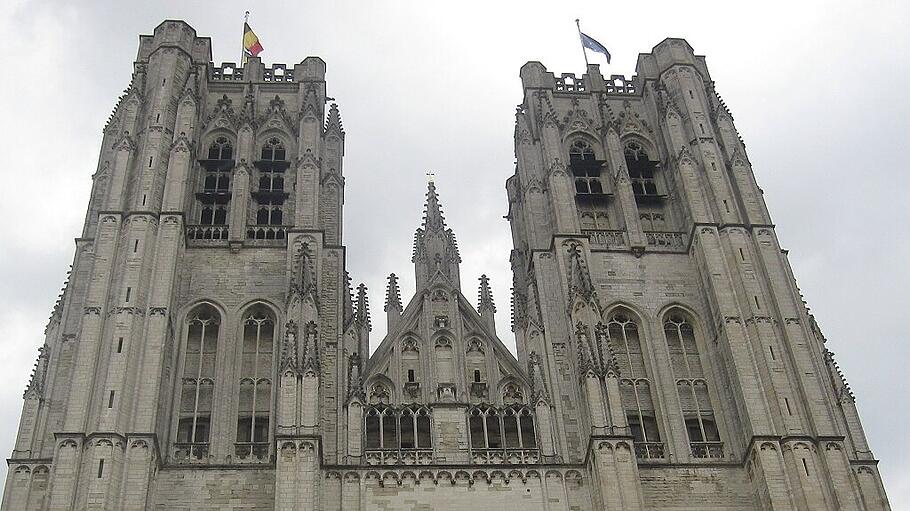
(485, 305)
(333, 121)
(435, 249)
(362, 312)
(432, 214)
(393, 306)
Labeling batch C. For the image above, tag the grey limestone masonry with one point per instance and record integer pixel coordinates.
(209, 351)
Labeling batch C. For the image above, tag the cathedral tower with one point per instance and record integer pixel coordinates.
(209, 351)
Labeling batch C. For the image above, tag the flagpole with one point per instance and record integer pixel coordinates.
(246, 20)
(583, 51)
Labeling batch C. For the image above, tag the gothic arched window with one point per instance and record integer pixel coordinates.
(589, 190)
(692, 386)
(221, 149)
(197, 387)
(214, 193)
(273, 150)
(642, 170)
(255, 400)
(635, 386)
(585, 168)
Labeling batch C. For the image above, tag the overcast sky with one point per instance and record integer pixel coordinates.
(817, 89)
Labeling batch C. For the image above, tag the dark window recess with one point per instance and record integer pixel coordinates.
(643, 427)
(411, 377)
(642, 171)
(221, 149)
(585, 168)
(476, 375)
(701, 429)
(397, 428)
(110, 400)
(186, 432)
(120, 345)
(100, 468)
(249, 430)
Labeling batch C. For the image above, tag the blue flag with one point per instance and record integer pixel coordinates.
(591, 44)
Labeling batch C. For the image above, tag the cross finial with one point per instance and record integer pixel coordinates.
(430, 177)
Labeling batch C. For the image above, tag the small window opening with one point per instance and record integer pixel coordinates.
(806, 467)
(702, 128)
(100, 468)
(411, 378)
(150, 161)
(741, 254)
(120, 345)
(756, 301)
(163, 81)
(771, 350)
(128, 291)
(787, 403)
(157, 117)
(143, 199)
(726, 206)
(692, 96)
(476, 375)
(135, 246)
(110, 400)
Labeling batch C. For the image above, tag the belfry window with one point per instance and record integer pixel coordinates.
(255, 402)
(270, 196)
(585, 169)
(214, 192)
(589, 191)
(635, 386)
(221, 149)
(198, 385)
(692, 386)
(642, 171)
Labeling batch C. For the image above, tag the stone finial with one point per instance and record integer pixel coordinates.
(393, 306)
(362, 310)
(393, 295)
(333, 120)
(485, 305)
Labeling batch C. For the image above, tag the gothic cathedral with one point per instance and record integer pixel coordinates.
(208, 351)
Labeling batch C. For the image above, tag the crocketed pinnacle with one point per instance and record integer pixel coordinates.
(362, 312)
(485, 296)
(432, 214)
(333, 121)
(393, 294)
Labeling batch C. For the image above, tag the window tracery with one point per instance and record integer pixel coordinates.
(692, 386)
(635, 386)
(390, 428)
(197, 387)
(255, 400)
(499, 435)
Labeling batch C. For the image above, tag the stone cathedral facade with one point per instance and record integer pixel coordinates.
(208, 351)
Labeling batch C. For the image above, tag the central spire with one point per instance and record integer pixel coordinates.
(435, 250)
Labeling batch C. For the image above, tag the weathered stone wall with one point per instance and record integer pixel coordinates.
(214, 489)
